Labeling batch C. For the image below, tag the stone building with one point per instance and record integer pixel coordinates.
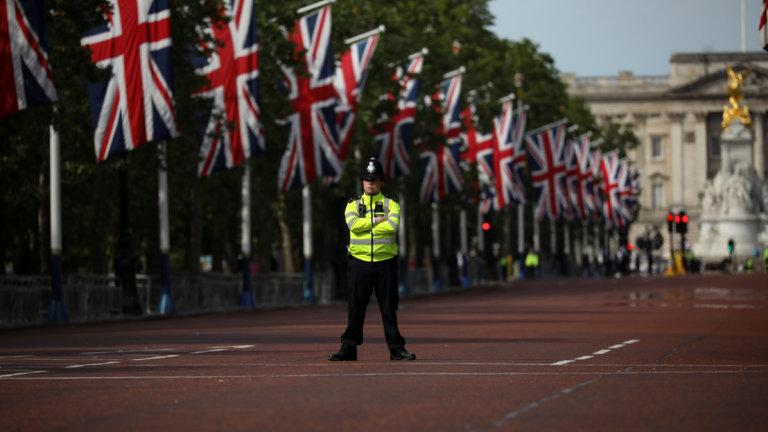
(677, 120)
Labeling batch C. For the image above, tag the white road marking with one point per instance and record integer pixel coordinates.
(147, 351)
(90, 364)
(596, 353)
(156, 358)
(209, 351)
(21, 373)
(243, 346)
(368, 374)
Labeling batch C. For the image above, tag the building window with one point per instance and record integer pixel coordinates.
(657, 196)
(714, 147)
(655, 147)
(690, 137)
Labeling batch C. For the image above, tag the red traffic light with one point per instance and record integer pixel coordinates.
(685, 218)
(677, 219)
(486, 226)
(670, 217)
(630, 246)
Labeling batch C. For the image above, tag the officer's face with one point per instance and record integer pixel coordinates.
(372, 187)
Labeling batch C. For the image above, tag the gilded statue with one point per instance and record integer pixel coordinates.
(735, 110)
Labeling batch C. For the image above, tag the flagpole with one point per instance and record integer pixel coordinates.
(436, 282)
(402, 248)
(480, 236)
(521, 233)
(464, 247)
(553, 244)
(546, 126)
(314, 6)
(166, 306)
(57, 311)
(246, 298)
(566, 246)
(536, 233)
(309, 291)
(353, 39)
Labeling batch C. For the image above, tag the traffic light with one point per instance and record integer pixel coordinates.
(670, 221)
(486, 226)
(731, 245)
(681, 222)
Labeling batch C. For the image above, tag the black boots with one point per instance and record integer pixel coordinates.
(401, 354)
(349, 353)
(346, 353)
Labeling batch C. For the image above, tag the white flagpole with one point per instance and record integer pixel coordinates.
(536, 234)
(166, 306)
(402, 248)
(246, 299)
(436, 282)
(57, 311)
(463, 231)
(309, 291)
(480, 236)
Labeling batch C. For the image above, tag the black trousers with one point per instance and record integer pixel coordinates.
(365, 278)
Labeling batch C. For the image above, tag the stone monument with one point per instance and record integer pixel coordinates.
(735, 201)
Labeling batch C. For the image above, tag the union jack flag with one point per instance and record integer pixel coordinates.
(234, 132)
(628, 190)
(547, 151)
(594, 191)
(478, 147)
(312, 150)
(24, 70)
(442, 173)
(449, 95)
(509, 155)
(579, 176)
(610, 172)
(136, 105)
(395, 134)
(351, 74)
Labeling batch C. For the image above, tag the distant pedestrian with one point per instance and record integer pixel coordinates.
(373, 220)
(531, 264)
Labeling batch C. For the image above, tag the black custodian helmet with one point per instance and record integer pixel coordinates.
(372, 170)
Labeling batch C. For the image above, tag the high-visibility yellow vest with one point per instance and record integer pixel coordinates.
(368, 240)
(532, 260)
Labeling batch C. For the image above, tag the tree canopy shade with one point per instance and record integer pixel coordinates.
(204, 212)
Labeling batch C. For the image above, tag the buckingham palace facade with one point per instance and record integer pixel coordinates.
(677, 119)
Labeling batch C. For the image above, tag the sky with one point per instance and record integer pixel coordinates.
(602, 37)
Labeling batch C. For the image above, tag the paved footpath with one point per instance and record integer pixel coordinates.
(687, 353)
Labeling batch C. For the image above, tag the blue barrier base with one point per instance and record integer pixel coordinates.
(57, 312)
(166, 306)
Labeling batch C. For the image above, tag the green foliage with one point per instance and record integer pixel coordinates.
(205, 212)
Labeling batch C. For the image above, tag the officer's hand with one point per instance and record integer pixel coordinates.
(379, 219)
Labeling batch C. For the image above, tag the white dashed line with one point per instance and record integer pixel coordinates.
(596, 353)
(90, 364)
(146, 351)
(209, 351)
(156, 358)
(22, 373)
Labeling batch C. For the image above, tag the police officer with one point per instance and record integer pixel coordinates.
(373, 220)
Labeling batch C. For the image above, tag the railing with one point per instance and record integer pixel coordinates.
(24, 300)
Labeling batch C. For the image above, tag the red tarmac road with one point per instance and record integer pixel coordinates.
(689, 353)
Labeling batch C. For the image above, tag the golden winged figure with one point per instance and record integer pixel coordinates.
(735, 110)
